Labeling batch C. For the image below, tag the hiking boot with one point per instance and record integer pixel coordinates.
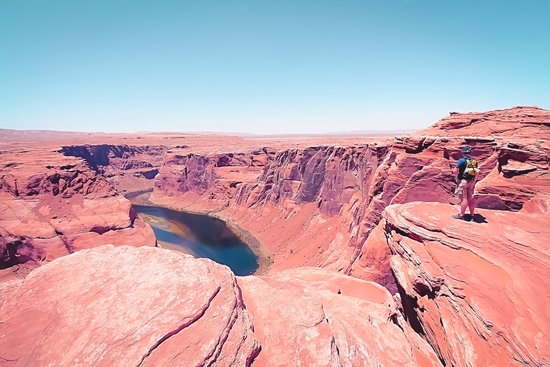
(458, 216)
(468, 217)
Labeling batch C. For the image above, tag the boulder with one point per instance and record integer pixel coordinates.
(127, 306)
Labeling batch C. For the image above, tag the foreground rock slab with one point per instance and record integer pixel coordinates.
(478, 291)
(125, 306)
(128, 306)
(316, 317)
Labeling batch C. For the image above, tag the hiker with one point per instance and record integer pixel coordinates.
(466, 170)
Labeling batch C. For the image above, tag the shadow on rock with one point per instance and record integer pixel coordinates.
(478, 218)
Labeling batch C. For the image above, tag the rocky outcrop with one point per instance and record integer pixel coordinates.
(51, 205)
(218, 177)
(143, 306)
(46, 228)
(520, 173)
(127, 307)
(477, 291)
(126, 167)
(195, 175)
(120, 157)
(66, 179)
(464, 293)
(315, 317)
(518, 122)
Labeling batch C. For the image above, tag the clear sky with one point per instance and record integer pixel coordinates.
(264, 66)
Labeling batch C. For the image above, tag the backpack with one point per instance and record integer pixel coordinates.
(471, 169)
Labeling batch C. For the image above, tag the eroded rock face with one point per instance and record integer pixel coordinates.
(289, 201)
(524, 121)
(308, 205)
(127, 306)
(478, 292)
(52, 205)
(126, 167)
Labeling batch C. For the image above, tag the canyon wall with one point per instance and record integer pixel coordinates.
(317, 205)
(125, 166)
(425, 289)
(52, 205)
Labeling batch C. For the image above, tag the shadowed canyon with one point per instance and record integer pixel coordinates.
(359, 260)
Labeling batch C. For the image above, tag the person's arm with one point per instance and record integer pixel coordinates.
(460, 162)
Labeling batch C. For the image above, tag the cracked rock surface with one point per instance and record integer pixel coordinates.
(127, 306)
(478, 291)
(316, 317)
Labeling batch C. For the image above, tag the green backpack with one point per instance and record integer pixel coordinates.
(471, 169)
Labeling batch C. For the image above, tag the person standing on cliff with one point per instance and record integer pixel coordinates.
(466, 170)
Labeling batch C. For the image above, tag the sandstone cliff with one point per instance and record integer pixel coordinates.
(477, 291)
(317, 205)
(51, 205)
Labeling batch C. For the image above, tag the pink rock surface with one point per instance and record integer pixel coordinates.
(539, 204)
(475, 297)
(127, 306)
(477, 291)
(153, 307)
(51, 205)
(315, 317)
(373, 263)
(523, 121)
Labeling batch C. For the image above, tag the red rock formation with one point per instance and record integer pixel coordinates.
(478, 292)
(532, 123)
(152, 307)
(298, 194)
(462, 285)
(124, 166)
(127, 307)
(315, 317)
(51, 205)
(289, 194)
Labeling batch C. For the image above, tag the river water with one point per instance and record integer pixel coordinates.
(200, 236)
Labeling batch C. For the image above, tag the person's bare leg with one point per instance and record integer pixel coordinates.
(470, 197)
(471, 206)
(463, 207)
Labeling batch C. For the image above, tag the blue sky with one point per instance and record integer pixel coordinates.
(267, 66)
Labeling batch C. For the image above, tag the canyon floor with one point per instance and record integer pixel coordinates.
(361, 262)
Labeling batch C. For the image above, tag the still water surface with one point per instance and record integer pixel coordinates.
(200, 236)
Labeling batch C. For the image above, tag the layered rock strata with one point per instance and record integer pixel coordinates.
(317, 206)
(465, 293)
(476, 291)
(127, 307)
(125, 166)
(316, 317)
(51, 205)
